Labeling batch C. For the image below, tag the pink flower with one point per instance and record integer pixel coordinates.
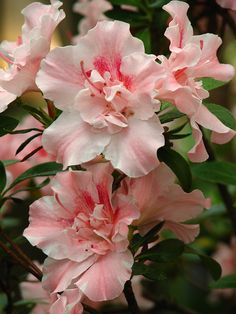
(92, 10)
(159, 198)
(24, 56)
(105, 86)
(192, 57)
(83, 229)
(68, 302)
(228, 4)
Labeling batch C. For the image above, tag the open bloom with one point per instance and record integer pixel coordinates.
(160, 199)
(105, 87)
(23, 57)
(69, 302)
(93, 11)
(83, 229)
(192, 57)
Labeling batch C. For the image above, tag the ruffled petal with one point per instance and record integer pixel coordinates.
(110, 273)
(133, 150)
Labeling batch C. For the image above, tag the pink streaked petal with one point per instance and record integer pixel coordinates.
(110, 273)
(75, 191)
(184, 232)
(50, 230)
(112, 40)
(58, 275)
(73, 141)
(60, 77)
(103, 181)
(209, 65)
(133, 150)
(180, 29)
(198, 152)
(143, 71)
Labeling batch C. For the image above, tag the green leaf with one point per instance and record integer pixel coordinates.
(216, 172)
(26, 142)
(135, 19)
(7, 124)
(224, 282)
(223, 114)
(42, 170)
(134, 3)
(138, 241)
(158, 4)
(153, 272)
(178, 165)
(210, 83)
(212, 266)
(145, 36)
(9, 162)
(170, 116)
(3, 177)
(165, 251)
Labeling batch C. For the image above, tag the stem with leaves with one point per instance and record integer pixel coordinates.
(223, 190)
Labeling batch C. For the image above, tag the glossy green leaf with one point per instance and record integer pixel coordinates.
(153, 271)
(224, 282)
(210, 83)
(164, 251)
(138, 241)
(223, 114)
(178, 165)
(211, 265)
(158, 4)
(134, 3)
(3, 177)
(26, 142)
(216, 172)
(7, 124)
(145, 36)
(42, 170)
(170, 116)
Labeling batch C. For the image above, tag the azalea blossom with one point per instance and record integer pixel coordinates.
(83, 229)
(160, 199)
(93, 11)
(192, 58)
(105, 87)
(23, 57)
(68, 302)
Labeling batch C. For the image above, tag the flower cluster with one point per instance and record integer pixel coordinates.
(108, 94)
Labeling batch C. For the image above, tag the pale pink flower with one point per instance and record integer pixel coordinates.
(83, 229)
(105, 86)
(68, 302)
(24, 56)
(93, 11)
(192, 57)
(160, 199)
(228, 4)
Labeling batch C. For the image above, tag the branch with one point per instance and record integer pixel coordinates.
(130, 298)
